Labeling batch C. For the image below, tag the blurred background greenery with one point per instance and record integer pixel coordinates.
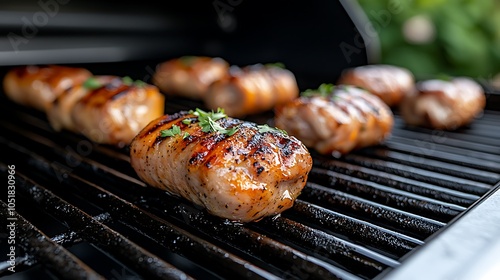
(435, 37)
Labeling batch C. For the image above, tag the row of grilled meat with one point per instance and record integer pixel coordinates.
(333, 119)
(106, 109)
(237, 169)
(241, 91)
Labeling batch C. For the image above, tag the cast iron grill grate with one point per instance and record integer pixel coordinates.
(83, 213)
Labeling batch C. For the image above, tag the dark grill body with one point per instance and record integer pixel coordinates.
(82, 213)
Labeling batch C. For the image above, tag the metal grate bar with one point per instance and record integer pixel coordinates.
(459, 151)
(482, 128)
(403, 222)
(380, 239)
(169, 236)
(398, 182)
(98, 233)
(388, 196)
(480, 161)
(426, 176)
(449, 139)
(59, 260)
(347, 255)
(451, 169)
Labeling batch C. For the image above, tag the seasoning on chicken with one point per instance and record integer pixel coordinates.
(38, 86)
(59, 111)
(252, 89)
(335, 120)
(236, 169)
(114, 112)
(189, 76)
(444, 104)
(390, 83)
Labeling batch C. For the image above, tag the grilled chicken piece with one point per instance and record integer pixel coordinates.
(444, 105)
(336, 120)
(253, 173)
(39, 86)
(59, 111)
(189, 76)
(251, 90)
(390, 83)
(114, 112)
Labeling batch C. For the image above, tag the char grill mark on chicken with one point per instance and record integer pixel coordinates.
(243, 176)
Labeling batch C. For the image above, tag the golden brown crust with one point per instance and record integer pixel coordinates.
(189, 76)
(115, 112)
(445, 105)
(346, 119)
(38, 86)
(59, 111)
(251, 90)
(242, 177)
(390, 83)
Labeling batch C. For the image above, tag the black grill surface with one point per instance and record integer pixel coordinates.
(82, 213)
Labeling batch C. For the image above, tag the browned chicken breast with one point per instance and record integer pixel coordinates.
(59, 111)
(335, 120)
(114, 112)
(252, 89)
(444, 104)
(189, 76)
(39, 86)
(390, 83)
(237, 170)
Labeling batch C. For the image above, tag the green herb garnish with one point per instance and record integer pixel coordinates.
(444, 77)
(174, 130)
(187, 60)
(92, 83)
(265, 128)
(208, 121)
(322, 90)
(276, 64)
(129, 82)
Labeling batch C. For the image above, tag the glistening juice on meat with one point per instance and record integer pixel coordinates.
(236, 169)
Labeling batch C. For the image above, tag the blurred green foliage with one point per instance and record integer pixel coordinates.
(466, 41)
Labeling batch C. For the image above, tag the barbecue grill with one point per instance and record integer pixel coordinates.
(423, 205)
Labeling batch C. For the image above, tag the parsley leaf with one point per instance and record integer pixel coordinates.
(187, 60)
(322, 90)
(129, 82)
(92, 83)
(174, 130)
(444, 77)
(265, 128)
(276, 64)
(208, 121)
